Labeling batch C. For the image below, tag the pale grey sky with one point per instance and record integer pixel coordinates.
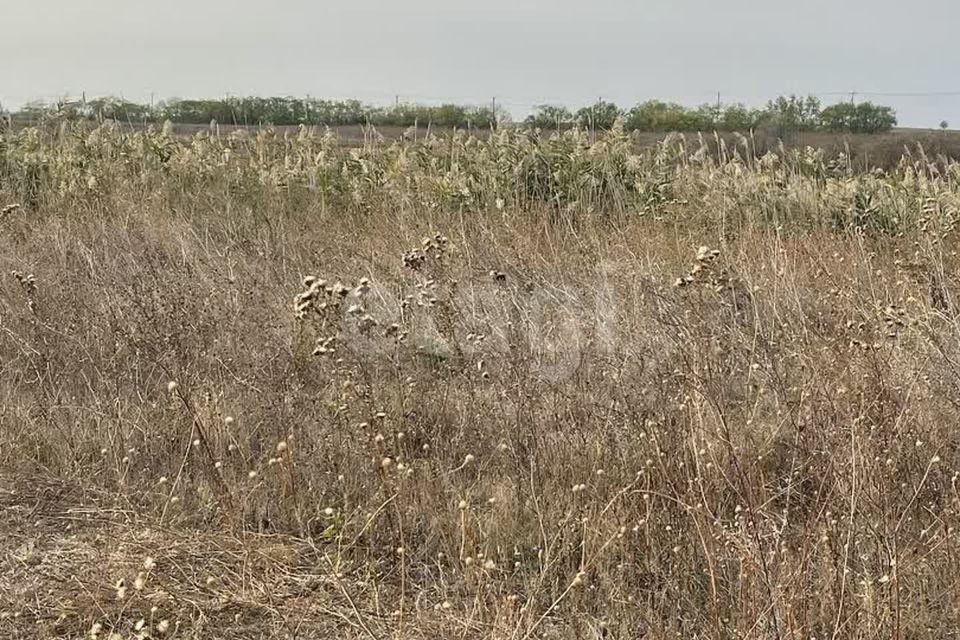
(522, 51)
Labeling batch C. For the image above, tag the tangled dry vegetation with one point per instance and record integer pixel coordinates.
(517, 388)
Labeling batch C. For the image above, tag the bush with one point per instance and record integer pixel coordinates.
(655, 115)
(600, 115)
(791, 113)
(864, 117)
(546, 116)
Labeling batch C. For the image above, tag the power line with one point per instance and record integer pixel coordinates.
(894, 94)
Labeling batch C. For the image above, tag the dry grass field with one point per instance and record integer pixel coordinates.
(882, 150)
(263, 385)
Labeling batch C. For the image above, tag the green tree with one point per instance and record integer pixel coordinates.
(113, 108)
(864, 117)
(738, 117)
(655, 115)
(600, 115)
(546, 116)
(791, 113)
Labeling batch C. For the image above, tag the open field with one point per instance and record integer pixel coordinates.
(268, 385)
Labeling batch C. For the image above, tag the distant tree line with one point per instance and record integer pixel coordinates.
(266, 111)
(785, 114)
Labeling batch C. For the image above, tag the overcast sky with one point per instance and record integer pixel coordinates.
(522, 51)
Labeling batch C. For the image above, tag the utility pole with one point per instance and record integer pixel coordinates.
(396, 101)
(493, 111)
(719, 104)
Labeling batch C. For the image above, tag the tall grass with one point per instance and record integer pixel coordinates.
(517, 387)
